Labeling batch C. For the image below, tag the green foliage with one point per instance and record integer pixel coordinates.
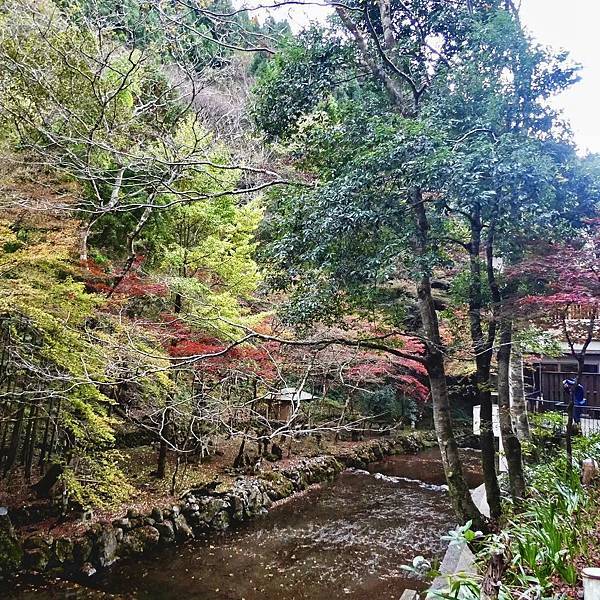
(544, 540)
(304, 72)
(63, 347)
(384, 403)
(482, 138)
(97, 481)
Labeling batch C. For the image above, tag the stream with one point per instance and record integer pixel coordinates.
(346, 539)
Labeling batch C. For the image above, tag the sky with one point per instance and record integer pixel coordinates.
(572, 25)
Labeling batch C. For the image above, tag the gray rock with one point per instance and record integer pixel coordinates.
(137, 522)
(63, 551)
(182, 530)
(87, 569)
(139, 540)
(166, 531)
(82, 549)
(133, 513)
(210, 507)
(104, 552)
(157, 514)
(37, 541)
(11, 552)
(37, 552)
(123, 523)
(238, 507)
(221, 521)
(36, 559)
(266, 501)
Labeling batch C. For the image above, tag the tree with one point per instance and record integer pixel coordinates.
(397, 162)
(566, 285)
(433, 146)
(80, 99)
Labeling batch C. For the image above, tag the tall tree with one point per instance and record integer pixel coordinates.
(422, 145)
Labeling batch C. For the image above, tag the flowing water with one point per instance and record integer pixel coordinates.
(347, 539)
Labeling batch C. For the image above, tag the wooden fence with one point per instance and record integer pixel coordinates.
(552, 388)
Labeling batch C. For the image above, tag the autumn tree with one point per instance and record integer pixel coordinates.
(116, 113)
(564, 281)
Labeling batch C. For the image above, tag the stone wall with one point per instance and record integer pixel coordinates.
(211, 507)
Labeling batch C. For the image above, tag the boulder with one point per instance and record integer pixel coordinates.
(123, 523)
(63, 551)
(11, 553)
(221, 521)
(210, 507)
(166, 531)
(87, 569)
(137, 522)
(238, 505)
(133, 513)
(139, 540)
(589, 471)
(82, 549)
(157, 514)
(37, 552)
(277, 485)
(104, 552)
(38, 540)
(182, 530)
(378, 452)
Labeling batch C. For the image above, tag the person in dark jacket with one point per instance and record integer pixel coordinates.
(577, 393)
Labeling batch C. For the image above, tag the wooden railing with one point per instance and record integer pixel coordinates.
(589, 420)
(577, 312)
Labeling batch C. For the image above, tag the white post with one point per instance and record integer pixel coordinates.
(503, 464)
(591, 583)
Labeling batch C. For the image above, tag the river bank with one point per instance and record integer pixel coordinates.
(212, 506)
(344, 538)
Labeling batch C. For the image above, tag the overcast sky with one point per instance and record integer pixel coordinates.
(570, 24)
(573, 25)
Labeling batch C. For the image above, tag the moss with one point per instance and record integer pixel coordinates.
(279, 486)
(11, 554)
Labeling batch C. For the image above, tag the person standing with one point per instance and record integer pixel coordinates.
(577, 395)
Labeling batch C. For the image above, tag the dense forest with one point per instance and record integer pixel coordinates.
(227, 242)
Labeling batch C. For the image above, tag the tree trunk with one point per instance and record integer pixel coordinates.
(512, 446)
(84, 235)
(14, 440)
(131, 238)
(580, 357)
(44, 486)
(459, 490)
(482, 349)
(46, 437)
(31, 444)
(161, 468)
(570, 409)
(519, 404)
(165, 432)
